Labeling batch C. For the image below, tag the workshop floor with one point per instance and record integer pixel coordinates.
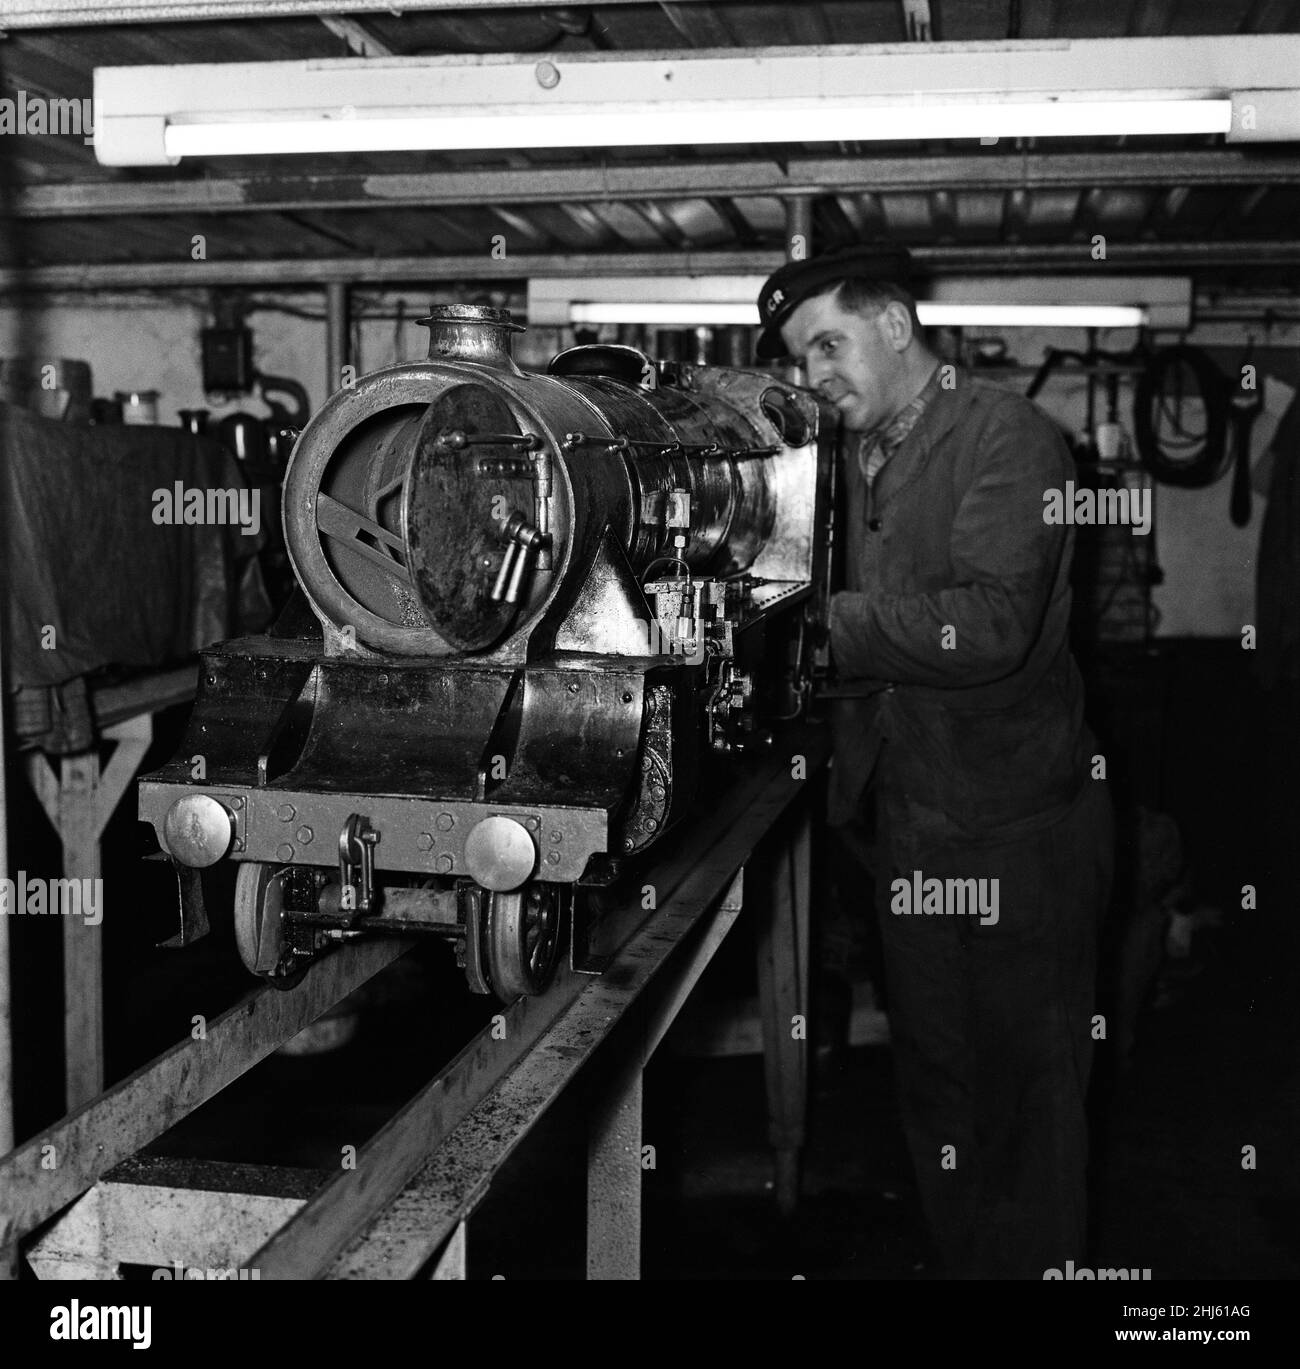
(1213, 1072)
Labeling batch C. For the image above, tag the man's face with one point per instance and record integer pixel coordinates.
(855, 362)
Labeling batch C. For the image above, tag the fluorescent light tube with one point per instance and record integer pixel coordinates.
(681, 314)
(1032, 315)
(717, 122)
(684, 314)
(1242, 84)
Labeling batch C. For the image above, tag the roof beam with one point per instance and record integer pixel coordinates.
(653, 181)
(808, 25)
(662, 224)
(1267, 16)
(1151, 18)
(703, 29)
(581, 22)
(1015, 215)
(943, 214)
(990, 258)
(865, 214)
(1164, 211)
(918, 25)
(518, 224)
(357, 36)
(46, 14)
(727, 210)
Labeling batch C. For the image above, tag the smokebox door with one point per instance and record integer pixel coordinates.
(462, 490)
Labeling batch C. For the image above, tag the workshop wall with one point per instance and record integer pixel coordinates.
(135, 341)
(139, 341)
(1209, 564)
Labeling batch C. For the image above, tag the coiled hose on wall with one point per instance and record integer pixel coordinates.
(1171, 452)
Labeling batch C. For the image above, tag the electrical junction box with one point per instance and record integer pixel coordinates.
(227, 360)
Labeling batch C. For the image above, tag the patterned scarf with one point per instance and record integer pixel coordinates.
(876, 448)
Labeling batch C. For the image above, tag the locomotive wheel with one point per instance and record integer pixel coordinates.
(521, 940)
(259, 925)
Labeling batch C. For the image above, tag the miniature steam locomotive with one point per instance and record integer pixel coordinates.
(539, 603)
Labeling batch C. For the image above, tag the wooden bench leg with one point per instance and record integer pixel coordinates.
(614, 1180)
(79, 803)
(783, 996)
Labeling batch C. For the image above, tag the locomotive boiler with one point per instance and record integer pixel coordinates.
(539, 605)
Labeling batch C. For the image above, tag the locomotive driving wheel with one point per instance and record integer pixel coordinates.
(259, 925)
(521, 940)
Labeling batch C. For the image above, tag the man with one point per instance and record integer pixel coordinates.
(994, 838)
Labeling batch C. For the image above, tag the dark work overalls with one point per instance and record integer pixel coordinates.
(971, 743)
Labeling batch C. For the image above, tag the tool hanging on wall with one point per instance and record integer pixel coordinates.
(1246, 406)
(1170, 448)
(1178, 454)
(1097, 441)
(1113, 576)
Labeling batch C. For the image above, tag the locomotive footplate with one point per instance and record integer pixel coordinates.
(413, 835)
(318, 869)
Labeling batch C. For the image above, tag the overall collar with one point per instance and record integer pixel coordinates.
(875, 448)
(947, 395)
(948, 402)
(891, 436)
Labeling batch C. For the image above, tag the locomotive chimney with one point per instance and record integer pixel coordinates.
(471, 332)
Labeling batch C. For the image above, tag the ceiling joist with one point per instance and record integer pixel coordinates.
(480, 267)
(45, 14)
(361, 42)
(621, 181)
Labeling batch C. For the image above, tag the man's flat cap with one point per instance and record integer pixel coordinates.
(794, 282)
